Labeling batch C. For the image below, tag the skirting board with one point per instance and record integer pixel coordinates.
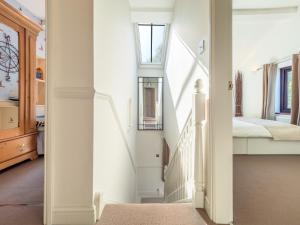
(207, 207)
(73, 215)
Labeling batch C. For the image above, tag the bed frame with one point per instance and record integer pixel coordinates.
(264, 146)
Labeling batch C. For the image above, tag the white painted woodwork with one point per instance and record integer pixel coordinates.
(185, 180)
(199, 115)
(220, 163)
(69, 112)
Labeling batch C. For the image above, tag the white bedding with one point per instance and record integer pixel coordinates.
(253, 127)
(262, 137)
(246, 129)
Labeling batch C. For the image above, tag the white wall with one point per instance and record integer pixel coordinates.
(115, 82)
(69, 131)
(148, 144)
(184, 65)
(41, 45)
(25, 11)
(150, 72)
(261, 39)
(252, 93)
(149, 167)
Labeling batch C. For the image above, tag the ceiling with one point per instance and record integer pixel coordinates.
(254, 4)
(252, 32)
(164, 4)
(36, 7)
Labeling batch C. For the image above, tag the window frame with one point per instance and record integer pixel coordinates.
(159, 127)
(284, 89)
(138, 42)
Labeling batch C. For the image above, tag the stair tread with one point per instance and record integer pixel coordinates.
(150, 214)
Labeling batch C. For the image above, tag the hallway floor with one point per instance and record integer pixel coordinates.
(147, 214)
(21, 194)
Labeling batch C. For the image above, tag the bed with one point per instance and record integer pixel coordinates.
(253, 136)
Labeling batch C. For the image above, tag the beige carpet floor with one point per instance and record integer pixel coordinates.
(150, 214)
(21, 194)
(267, 190)
(14, 215)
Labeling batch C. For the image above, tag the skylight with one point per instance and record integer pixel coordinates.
(152, 43)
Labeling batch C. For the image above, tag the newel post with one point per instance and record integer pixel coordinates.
(199, 121)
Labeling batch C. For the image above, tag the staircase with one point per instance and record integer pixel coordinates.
(185, 174)
(150, 214)
(184, 179)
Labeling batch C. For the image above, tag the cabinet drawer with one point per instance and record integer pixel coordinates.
(14, 148)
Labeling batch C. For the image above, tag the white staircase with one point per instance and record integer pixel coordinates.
(185, 174)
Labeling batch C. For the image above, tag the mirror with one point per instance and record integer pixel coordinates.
(150, 109)
(9, 78)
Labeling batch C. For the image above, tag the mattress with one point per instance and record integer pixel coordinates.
(245, 129)
(256, 137)
(253, 127)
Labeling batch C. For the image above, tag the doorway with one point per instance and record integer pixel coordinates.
(22, 111)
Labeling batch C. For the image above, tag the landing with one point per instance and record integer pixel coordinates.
(150, 214)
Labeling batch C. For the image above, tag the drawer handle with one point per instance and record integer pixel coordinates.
(21, 147)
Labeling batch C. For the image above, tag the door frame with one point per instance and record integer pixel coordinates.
(219, 199)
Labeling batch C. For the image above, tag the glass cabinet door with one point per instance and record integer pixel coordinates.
(11, 78)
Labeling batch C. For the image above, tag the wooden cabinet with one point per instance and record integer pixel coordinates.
(16, 150)
(18, 90)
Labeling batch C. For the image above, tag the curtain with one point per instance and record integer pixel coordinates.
(269, 83)
(239, 94)
(295, 112)
(165, 158)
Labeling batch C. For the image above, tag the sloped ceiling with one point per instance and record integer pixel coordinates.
(37, 7)
(250, 31)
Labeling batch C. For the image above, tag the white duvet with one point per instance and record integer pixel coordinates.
(253, 127)
(246, 129)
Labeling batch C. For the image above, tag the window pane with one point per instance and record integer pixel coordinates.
(158, 43)
(145, 43)
(289, 90)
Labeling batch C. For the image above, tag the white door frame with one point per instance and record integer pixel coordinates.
(219, 200)
(48, 162)
(48, 189)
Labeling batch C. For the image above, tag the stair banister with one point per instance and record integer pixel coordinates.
(185, 174)
(199, 145)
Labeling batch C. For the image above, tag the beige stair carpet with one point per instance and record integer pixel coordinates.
(150, 214)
